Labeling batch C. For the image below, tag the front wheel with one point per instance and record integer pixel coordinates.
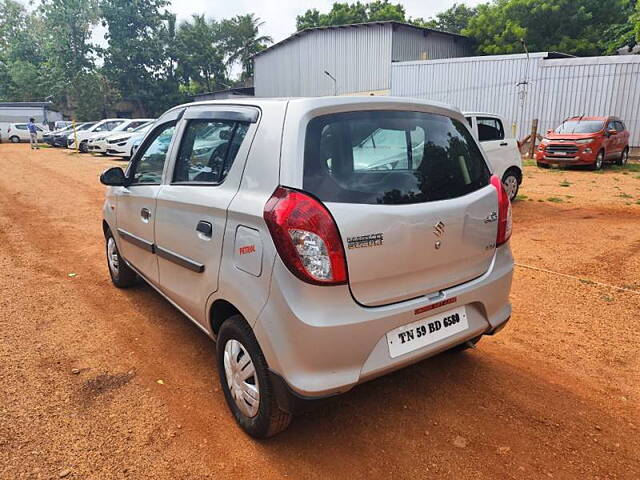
(245, 381)
(14, 139)
(624, 156)
(122, 275)
(83, 147)
(599, 161)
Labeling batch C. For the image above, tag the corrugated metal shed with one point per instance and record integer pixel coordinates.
(521, 89)
(358, 56)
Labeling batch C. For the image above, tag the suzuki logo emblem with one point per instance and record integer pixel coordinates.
(438, 229)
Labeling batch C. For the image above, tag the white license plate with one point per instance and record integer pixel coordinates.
(421, 333)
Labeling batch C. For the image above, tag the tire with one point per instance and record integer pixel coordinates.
(235, 341)
(542, 165)
(14, 139)
(624, 156)
(83, 147)
(599, 161)
(121, 274)
(511, 182)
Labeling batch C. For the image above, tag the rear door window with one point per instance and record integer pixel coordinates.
(391, 157)
(490, 129)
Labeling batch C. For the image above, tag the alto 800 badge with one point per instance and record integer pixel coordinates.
(363, 241)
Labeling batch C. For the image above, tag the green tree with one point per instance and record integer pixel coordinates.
(21, 55)
(570, 26)
(199, 55)
(346, 13)
(242, 40)
(454, 19)
(66, 32)
(137, 57)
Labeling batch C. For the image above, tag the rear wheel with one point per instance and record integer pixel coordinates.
(598, 162)
(14, 139)
(624, 156)
(511, 182)
(245, 381)
(122, 275)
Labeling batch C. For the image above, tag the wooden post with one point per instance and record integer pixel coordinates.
(533, 137)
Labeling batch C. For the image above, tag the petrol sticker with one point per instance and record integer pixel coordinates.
(247, 249)
(363, 241)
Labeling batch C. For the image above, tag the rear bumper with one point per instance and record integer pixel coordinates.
(321, 343)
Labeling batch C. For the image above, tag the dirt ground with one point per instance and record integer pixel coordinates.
(554, 395)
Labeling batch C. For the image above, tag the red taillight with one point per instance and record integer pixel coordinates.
(504, 212)
(306, 237)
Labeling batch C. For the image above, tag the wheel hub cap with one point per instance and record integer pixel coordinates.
(511, 186)
(242, 379)
(112, 255)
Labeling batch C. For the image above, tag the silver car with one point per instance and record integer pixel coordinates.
(322, 242)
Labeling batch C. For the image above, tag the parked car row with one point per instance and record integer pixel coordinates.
(111, 136)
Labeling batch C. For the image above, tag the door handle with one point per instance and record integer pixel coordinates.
(504, 144)
(205, 229)
(145, 214)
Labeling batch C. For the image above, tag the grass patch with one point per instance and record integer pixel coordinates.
(529, 162)
(521, 197)
(541, 200)
(625, 195)
(629, 167)
(637, 202)
(565, 183)
(637, 177)
(555, 200)
(569, 196)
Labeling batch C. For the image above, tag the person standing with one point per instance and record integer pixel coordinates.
(33, 134)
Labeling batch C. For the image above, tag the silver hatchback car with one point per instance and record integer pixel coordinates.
(322, 242)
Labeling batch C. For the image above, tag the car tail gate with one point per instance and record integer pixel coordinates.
(411, 197)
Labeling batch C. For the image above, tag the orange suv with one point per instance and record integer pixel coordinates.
(585, 141)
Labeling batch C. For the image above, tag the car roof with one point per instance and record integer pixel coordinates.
(481, 114)
(592, 118)
(314, 102)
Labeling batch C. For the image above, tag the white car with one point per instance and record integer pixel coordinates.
(97, 143)
(501, 148)
(121, 144)
(18, 132)
(83, 136)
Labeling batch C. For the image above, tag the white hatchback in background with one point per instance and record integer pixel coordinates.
(121, 144)
(18, 132)
(98, 142)
(103, 126)
(501, 148)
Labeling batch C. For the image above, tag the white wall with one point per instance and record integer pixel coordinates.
(555, 88)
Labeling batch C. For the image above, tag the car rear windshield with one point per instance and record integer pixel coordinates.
(391, 157)
(580, 126)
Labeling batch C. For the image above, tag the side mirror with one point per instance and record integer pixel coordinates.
(113, 177)
(612, 132)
